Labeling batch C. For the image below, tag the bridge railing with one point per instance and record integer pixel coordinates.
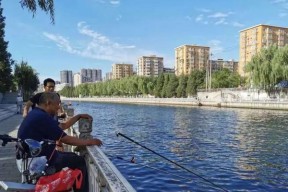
(102, 173)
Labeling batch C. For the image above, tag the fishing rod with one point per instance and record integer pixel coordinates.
(175, 163)
(147, 166)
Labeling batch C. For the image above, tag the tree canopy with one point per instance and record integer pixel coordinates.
(46, 5)
(6, 61)
(268, 67)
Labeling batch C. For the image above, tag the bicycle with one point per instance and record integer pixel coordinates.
(30, 166)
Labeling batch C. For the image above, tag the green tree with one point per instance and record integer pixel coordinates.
(195, 81)
(159, 85)
(6, 62)
(26, 79)
(46, 5)
(172, 86)
(225, 79)
(181, 89)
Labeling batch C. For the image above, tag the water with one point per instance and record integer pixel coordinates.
(236, 149)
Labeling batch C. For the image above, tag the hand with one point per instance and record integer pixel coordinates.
(95, 141)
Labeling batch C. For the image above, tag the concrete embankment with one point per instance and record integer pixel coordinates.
(268, 104)
(147, 101)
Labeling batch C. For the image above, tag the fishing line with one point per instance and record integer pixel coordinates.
(147, 166)
(175, 163)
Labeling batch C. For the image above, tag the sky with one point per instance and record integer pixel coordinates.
(98, 33)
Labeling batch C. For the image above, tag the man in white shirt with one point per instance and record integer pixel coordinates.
(19, 103)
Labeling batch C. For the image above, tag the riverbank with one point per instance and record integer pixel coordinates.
(188, 102)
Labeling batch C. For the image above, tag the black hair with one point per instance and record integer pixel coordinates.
(46, 81)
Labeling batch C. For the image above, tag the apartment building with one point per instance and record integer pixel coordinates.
(219, 64)
(66, 77)
(91, 75)
(150, 66)
(122, 70)
(253, 39)
(76, 79)
(190, 57)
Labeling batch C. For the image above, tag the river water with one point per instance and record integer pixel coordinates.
(235, 149)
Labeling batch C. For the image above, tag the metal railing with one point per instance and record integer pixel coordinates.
(102, 173)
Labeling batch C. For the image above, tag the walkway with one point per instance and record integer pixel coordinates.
(9, 123)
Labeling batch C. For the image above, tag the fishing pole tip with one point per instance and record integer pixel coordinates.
(117, 133)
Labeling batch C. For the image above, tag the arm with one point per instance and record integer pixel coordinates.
(73, 120)
(26, 108)
(80, 142)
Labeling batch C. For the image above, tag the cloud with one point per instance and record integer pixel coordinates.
(282, 14)
(279, 1)
(219, 15)
(115, 2)
(237, 24)
(119, 17)
(221, 21)
(199, 18)
(216, 48)
(112, 2)
(217, 18)
(205, 10)
(99, 46)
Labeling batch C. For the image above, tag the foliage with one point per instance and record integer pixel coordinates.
(46, 5)
(5, 59)
(225, 79)
(195, 81)
(26, 79)
(268, 67)
(164, 86)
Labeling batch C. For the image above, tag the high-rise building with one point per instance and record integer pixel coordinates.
(253, 39)
(76, 79)
(189, 58)
(90, 75)
(122, 70)
(66, 77)
(108, 76)
(150, 66)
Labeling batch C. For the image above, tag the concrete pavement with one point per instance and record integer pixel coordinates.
(9, 123)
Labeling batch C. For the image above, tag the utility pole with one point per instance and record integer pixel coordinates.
(207, 75)
(210, 72)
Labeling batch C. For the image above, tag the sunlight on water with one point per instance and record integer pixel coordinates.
(237, 149)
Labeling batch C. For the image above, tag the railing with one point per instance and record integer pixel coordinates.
(103, 175)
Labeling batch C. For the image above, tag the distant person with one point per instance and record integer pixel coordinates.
(40, 124)
(19, 103)
(49, 86)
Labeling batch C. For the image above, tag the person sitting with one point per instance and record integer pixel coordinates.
(40, 125)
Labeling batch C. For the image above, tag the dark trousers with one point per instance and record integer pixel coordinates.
(73, 161)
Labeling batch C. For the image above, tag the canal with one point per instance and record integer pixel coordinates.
(235, 149)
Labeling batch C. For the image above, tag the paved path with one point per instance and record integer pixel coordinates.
(9, 123)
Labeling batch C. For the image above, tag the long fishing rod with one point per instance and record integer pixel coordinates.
(147, 166)
(175, 163)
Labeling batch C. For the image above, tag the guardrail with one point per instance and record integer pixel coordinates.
(102, 173)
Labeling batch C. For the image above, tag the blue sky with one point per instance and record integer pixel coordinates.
(98, 33)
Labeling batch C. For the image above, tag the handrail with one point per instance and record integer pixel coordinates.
(102, 173)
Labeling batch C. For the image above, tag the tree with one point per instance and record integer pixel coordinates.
(46, 5)
(26, 79)
(195, 80)
(181, 89)
(5, 58)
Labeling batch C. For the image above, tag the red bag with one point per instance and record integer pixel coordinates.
(60, 181)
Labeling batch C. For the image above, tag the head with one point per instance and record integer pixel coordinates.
(50, 102)
(49, 85)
